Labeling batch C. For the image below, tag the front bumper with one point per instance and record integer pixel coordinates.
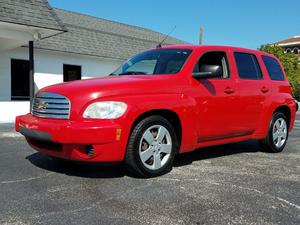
(73, 139)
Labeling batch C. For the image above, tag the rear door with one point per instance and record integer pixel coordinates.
(253, 89)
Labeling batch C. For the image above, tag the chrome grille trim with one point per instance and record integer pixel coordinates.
(51, 105)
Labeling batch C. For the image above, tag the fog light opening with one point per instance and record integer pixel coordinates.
(89, 150)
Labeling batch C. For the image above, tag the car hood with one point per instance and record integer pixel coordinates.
(81, 92)
(111, 86)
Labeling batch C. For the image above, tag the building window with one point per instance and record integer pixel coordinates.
(288, 50)
(19, 79)
(72, 72)
(296, 51)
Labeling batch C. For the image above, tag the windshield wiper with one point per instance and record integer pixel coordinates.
(133, 73)
(113, 74)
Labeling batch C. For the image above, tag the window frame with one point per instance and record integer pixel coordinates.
(65, 65)
(280, 67)
(257, 63)
(288, 50)
(227, 64)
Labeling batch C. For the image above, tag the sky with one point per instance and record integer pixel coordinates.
(243, 23)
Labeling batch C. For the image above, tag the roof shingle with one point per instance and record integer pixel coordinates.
(93, 36)
(288, 41)
(36, 13)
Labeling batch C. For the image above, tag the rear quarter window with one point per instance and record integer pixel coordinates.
(274, 70)
(247, 65)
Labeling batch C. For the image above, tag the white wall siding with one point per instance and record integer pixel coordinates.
(49, 67)
(5, 77)
(48, 71)
(9, 110)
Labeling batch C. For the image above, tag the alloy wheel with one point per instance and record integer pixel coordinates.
(279, 132)
(155, 147)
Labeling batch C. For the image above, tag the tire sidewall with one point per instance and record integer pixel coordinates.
(151, 121)
(275, 117)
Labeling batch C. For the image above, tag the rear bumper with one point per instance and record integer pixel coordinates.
(73, 139)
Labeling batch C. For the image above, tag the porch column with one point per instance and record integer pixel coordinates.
(31, 72)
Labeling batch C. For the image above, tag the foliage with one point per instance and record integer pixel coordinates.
(290, 64)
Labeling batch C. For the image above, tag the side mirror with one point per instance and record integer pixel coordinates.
(208, 71)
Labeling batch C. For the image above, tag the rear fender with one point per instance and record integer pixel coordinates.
(267, 114)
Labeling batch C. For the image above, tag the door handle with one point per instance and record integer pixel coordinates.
(264, 89)
(229, 90)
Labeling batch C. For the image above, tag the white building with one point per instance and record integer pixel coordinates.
(290, 45)
(67, 46)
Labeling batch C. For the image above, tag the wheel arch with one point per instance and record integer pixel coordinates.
(267, 116)
(286, 111)
(269, 143)
(169, 115)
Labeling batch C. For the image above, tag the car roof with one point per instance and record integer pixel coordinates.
(217, 47)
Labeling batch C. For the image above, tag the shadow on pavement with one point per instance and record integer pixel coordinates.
(78, 169)
(118, 170)
(216, 152)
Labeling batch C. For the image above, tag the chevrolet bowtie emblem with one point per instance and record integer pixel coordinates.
(41, 105)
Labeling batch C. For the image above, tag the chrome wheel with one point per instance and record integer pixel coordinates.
(279, 132)
(155, 147)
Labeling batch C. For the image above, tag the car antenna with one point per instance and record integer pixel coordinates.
(160, 44)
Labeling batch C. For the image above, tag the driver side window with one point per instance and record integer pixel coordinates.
(210, 59)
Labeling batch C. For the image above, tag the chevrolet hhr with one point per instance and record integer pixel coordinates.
(164, 102)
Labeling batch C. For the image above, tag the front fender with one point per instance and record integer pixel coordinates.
(181, 104)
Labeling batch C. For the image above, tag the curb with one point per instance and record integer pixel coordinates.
(10, 135)
(7, 130)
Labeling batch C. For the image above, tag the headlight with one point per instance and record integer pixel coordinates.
(105, 110)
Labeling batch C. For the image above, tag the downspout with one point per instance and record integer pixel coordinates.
(31, 73)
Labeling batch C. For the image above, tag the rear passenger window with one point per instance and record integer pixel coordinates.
(247, 65)
(273, 67)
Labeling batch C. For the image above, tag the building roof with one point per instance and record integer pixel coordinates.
(35, 13)
(289, 42)
(93, 36)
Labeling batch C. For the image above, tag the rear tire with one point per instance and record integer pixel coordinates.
(151, 147)
(277, 135)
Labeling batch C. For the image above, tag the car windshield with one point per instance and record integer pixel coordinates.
(159, 61)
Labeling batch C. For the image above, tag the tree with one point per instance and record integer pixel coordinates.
(290, 64)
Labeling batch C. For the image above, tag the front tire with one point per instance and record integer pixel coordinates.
(277, 135)
(151, 147)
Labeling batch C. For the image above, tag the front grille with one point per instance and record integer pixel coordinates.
(51, 105)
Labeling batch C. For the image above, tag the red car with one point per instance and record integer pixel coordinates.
(162, 102)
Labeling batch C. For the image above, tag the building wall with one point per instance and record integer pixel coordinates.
(49, 67)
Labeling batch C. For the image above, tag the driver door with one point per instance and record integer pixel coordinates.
(217, 100)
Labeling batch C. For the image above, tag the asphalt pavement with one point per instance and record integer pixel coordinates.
(229, 184)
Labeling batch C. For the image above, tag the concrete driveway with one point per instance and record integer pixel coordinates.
(230, 184)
